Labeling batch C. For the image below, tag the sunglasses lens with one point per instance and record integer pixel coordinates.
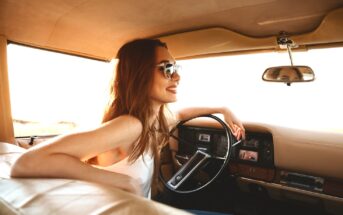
(169, 70)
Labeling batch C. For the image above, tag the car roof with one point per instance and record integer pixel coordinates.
(96, 29)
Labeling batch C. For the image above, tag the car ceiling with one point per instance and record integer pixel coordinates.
(96, 29)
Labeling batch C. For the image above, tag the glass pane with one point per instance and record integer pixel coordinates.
(236, 81)
(52, 93)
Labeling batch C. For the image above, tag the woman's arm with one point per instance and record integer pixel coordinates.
(62, 157)
(233, 122)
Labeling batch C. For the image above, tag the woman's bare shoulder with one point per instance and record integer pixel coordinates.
(171, 117)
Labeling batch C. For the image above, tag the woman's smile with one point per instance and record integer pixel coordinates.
(172, 89)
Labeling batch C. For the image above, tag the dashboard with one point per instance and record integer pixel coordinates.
(253, 160)
(256, 149)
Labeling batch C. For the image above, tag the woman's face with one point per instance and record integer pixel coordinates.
(164, 90)
(288, 75)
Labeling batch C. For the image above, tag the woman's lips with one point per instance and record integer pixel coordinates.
(172, 89)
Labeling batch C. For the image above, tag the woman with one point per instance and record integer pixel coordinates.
(135, 126)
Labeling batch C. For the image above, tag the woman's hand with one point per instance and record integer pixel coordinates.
(118, 180)
(238, 132)
(234, 123)
(130, 184)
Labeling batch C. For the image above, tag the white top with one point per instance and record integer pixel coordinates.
(141, 170)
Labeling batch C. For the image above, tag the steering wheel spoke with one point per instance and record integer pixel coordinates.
(191, 166)
(199, 164)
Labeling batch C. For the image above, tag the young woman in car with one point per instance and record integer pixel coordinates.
(123, 151)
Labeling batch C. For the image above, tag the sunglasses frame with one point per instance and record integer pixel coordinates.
(171, 66)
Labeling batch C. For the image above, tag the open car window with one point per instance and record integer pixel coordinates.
(53, 93)
(236, 81)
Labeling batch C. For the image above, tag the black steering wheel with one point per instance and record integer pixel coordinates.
(196, 166)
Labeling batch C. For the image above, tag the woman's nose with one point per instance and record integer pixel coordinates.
(176, 76)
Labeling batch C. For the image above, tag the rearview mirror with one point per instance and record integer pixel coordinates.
(288, 74)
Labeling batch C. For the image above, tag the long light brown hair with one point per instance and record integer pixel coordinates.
(130, 95)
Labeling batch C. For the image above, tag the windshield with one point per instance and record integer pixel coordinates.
(52, 93)
(236, 81)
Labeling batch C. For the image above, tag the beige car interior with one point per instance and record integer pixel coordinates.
(96, 29)
(63, 196)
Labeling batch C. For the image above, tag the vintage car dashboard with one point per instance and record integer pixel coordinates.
(253, 161)
(256, 149)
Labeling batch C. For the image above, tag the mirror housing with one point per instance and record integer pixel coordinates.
(288, 74)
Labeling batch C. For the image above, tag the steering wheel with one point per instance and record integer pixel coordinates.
(194, 167)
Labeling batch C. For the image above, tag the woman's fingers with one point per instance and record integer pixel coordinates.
(239, 126)
(238, 132)
(135, 186)
(130, 184)
(242, 130)
(235, 124)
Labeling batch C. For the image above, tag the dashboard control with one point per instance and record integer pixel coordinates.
(256, 149)
(307, 182)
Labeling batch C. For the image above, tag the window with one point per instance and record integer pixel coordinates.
(52, 93)
(236, 81)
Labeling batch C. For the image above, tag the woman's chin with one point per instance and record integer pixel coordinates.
(171, 100)
(174, 99)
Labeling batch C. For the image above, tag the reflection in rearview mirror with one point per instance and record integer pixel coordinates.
(288, 74)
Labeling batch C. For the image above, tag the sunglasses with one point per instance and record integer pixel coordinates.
(169, 70)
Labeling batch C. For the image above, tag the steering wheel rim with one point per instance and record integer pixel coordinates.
(185, 172)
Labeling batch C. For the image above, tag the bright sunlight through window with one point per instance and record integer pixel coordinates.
(236, 81)
(52, 93)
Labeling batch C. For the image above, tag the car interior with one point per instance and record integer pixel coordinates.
(291, 160)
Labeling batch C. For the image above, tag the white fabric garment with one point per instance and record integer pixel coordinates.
(141, 170)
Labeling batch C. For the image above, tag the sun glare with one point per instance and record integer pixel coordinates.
(52, 93)
(50, 88)
(236, 81)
